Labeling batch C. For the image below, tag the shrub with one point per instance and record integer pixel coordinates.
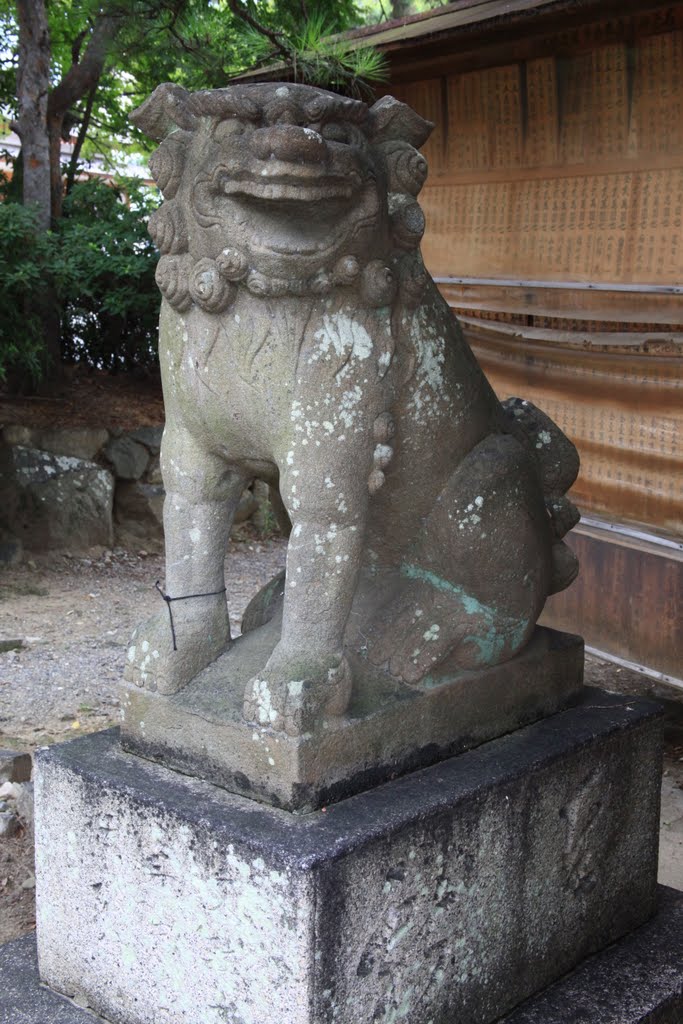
(95, 272)
(25, 258)
(104, 276)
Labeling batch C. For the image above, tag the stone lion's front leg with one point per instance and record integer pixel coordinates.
(202, 493)
(307, 677)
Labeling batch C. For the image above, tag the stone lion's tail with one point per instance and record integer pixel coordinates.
(558, 465)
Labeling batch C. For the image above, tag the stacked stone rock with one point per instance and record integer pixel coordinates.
(74, 488)
(16, 792)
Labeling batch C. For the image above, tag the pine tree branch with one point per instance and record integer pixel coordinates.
(187, 47)
(240, 11)
(81, 76)
(77, 44)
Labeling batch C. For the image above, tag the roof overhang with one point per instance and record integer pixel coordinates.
(469, 33)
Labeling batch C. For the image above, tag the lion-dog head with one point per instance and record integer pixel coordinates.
(283, 189)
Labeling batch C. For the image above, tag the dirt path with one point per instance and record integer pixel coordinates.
(71, 619)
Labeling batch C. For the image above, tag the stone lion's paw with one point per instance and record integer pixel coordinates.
(414, 638)
(287, 699)
(154, 663)
(148, 653)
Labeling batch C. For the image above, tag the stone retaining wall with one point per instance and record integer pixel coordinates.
(76, 487)
(73, 488)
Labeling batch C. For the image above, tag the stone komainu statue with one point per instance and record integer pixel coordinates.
(303, 343)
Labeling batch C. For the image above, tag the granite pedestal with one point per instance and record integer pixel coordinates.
(451, 894)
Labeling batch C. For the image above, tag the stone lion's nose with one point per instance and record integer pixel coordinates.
(289, 142)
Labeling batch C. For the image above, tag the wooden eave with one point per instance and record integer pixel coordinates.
(477, 33)
(496, 32)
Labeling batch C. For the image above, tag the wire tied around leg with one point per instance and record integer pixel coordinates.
(185, 597)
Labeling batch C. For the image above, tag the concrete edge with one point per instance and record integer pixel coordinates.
(320, 836)
(637, 980)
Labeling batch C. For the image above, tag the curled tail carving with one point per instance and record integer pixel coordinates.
(558, 466)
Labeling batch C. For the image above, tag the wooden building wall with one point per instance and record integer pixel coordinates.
(554, 209)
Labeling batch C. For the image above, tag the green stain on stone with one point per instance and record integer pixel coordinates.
(490, 646)
(399, 935)
(500, 629)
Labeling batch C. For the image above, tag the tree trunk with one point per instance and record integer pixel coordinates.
(33, 83)
(81, 78)
(82, 132)
(54, 126)
(33, 80)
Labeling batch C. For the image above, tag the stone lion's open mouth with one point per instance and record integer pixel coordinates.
(292, 188)
(293, 211)
(290, 219)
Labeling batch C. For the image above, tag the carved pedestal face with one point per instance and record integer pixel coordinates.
(450, 894)
(303, 343)
(640, 979)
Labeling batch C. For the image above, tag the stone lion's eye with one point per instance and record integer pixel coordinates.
(336, 132)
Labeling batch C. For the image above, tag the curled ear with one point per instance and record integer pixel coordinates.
(167, 109)
(406, 168)
(392, 120)
(168, 162)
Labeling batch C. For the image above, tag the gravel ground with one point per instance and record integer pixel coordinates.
(74, 617)
(70, 619)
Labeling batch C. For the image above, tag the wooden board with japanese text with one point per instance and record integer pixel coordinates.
(554, 209)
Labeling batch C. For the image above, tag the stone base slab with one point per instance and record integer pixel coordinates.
(638, 980)
(453, 893)
(389, 729)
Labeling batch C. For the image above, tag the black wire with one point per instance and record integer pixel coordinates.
(185, 597)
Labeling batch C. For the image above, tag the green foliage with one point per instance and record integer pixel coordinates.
(192, 43)
(25, 256)
(320, 57)
(97, 271)
(103, 274)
